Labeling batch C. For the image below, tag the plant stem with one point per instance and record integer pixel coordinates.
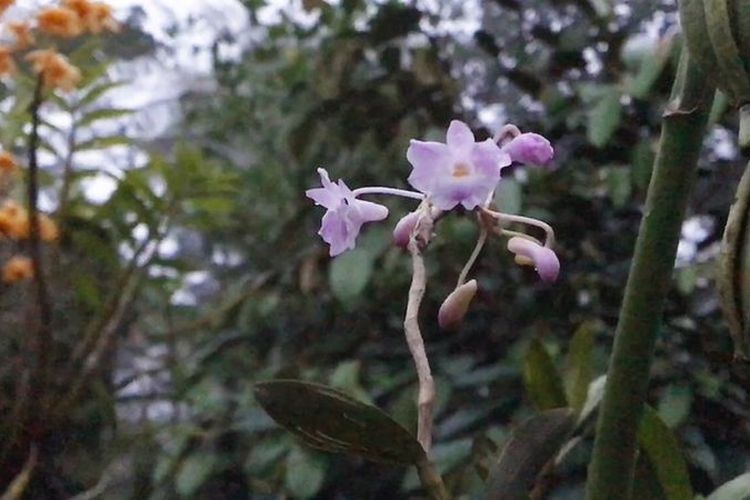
(426, 397)
(431, 480)
(684, 123)
(42, 340)
(474, 254)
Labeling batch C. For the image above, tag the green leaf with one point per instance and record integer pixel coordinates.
(651, 66)
(96, 91)
(104, 142)
(665, 456)
(349, 274)
(541, 379)
(304, 473)
(674, 406)
(593, 398)
(533, 443)
(578, 368)
(346, 378)
(604, 118)
(193, 473)
(103, 114)
(333, 421)
(619, 186)
(737, 488)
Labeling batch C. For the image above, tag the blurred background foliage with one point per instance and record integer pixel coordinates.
(204, 268)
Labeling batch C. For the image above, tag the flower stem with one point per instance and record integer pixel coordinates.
(431, 480)
(529, 221)
(388, 190)
(474, 254)
(426, 396)
(684, 122)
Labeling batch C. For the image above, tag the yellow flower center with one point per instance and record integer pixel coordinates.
(461, 170)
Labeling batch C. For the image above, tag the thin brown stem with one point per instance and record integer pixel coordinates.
(426, 396)
(42, 339)
(431, 480)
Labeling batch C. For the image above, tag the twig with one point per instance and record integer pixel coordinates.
(426, 397)
(17, 487)
(42, 340)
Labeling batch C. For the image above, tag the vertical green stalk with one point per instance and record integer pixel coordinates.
(684, 124)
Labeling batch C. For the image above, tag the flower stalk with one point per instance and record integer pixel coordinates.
(426, 396)
(684, 123)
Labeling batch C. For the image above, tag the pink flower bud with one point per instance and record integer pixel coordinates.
(404, 228)
(542, 258)
(530, 148)
(454, 307)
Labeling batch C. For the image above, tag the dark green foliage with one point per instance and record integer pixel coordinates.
(260, 299)
(332, 421)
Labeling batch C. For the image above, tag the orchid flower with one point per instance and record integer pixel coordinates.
(346, 214)
(461, 171)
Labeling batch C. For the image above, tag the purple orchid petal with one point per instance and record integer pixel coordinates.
(459, 138)
(336, 232)
(328, 196)
(530, 149)
(429, 159)
(487, 156)
(544, 259)
(366, 211)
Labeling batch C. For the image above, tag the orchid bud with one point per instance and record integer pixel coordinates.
(542, 258)
(530, 148)
(454, 307)
(404, 228)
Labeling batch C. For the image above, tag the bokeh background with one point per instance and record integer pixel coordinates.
(188, 241)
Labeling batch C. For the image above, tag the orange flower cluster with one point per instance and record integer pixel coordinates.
(18, 268)
(7, 64)
(15, 223)
(71, 19)
(60, 21)
(55, 69)
(23, 35)
(4, 4)
(8, 163)
(94, 16)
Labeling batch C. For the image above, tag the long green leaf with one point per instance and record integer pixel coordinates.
(533, 443)
(541, 378)
(660, 445)
(578, 369)
(330, 420)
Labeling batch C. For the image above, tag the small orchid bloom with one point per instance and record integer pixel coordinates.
(530, 148)
(454, 307)
(346, 214)
(533, 254)
(461, 171)
(404, 228)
